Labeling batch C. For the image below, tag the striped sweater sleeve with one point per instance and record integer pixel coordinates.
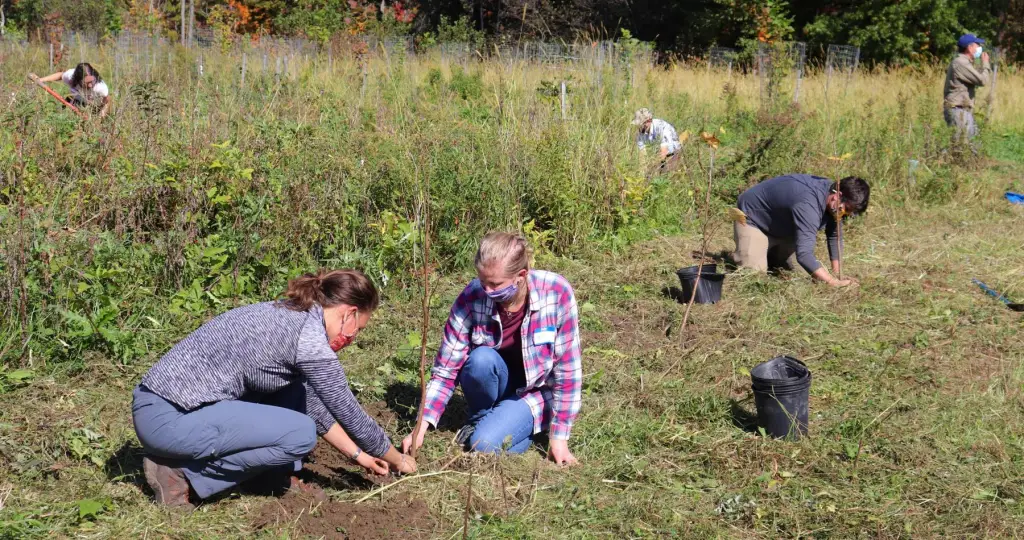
(325, 376)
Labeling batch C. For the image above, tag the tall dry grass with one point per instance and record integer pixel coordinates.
(200, 192)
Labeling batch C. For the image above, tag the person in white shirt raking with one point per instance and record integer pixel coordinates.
(87, 87)
(656, 132)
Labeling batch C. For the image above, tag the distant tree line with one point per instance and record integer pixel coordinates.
(887, 31)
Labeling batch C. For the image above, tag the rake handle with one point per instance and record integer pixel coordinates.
(57, 96)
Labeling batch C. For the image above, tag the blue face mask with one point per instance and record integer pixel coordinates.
(504, 295)
(977, 52)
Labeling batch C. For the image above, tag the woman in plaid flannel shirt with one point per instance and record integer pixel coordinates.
(512, 343)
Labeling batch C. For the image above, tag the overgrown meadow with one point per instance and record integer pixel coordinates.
(201, 192)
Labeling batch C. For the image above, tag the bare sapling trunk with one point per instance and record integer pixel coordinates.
(425, 326)
(712, 142)
(838, 214)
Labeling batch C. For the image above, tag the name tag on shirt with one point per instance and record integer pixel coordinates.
(544, 335)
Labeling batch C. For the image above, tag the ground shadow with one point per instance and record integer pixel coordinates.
(404, 398)
(125, 465)
(674, 293)
(742, 417)
(341, 479)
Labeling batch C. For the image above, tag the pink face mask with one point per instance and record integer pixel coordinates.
(341, 341)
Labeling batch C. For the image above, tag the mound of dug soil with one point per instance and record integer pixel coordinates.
(311, 515)
(314, 514)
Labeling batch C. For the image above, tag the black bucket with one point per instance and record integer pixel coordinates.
(782, 387)
(709, 290)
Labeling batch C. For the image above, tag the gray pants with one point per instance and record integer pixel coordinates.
(223, 444)
(963, 120)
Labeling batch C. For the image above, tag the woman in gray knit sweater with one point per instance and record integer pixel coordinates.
(250, 391)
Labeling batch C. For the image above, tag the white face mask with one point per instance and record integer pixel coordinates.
(977, 52)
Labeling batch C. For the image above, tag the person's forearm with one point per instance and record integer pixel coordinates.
(340, 440)
(51, 78)
(337, 438)
(394, 457)
(822, 275)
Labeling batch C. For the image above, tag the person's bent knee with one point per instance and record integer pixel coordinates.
(302, 439)
(481, 361)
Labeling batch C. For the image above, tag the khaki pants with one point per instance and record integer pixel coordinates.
(756, 250)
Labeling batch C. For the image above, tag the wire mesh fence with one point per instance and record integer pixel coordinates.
(842, 59)
(722, 58)
(138, 52)
(774, 63)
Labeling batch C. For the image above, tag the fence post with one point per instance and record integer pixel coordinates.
(244, 57)
(51, 57)
(191, 21)
(796, 91)
(182, 24)
(990, 104)
(563, 100)
(828, 78)
(362, 89)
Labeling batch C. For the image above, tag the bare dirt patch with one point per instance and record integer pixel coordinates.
(310, 515)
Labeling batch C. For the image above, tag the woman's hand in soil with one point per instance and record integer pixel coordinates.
(560, 454)
(373, 465)
(844, 282)
(406, 465)
(408, 444)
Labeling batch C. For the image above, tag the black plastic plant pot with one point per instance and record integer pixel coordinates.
(782, 388)
(709, 290)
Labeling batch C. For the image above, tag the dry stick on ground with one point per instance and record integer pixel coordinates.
(469, 502)
(384, 488)
(712, 143)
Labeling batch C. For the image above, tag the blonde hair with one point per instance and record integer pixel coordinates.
(508, 249)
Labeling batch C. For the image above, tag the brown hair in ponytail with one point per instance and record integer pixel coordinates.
(330, 288)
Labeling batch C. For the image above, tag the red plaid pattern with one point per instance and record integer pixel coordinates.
(551, 351)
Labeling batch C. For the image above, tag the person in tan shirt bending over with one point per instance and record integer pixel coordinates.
(961, 81)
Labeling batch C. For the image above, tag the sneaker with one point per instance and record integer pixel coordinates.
(168, 483)
(464, 433)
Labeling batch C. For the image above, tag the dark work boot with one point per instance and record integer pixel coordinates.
(168, 483)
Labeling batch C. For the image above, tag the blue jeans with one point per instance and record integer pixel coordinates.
(221, 445)
(503, 422)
